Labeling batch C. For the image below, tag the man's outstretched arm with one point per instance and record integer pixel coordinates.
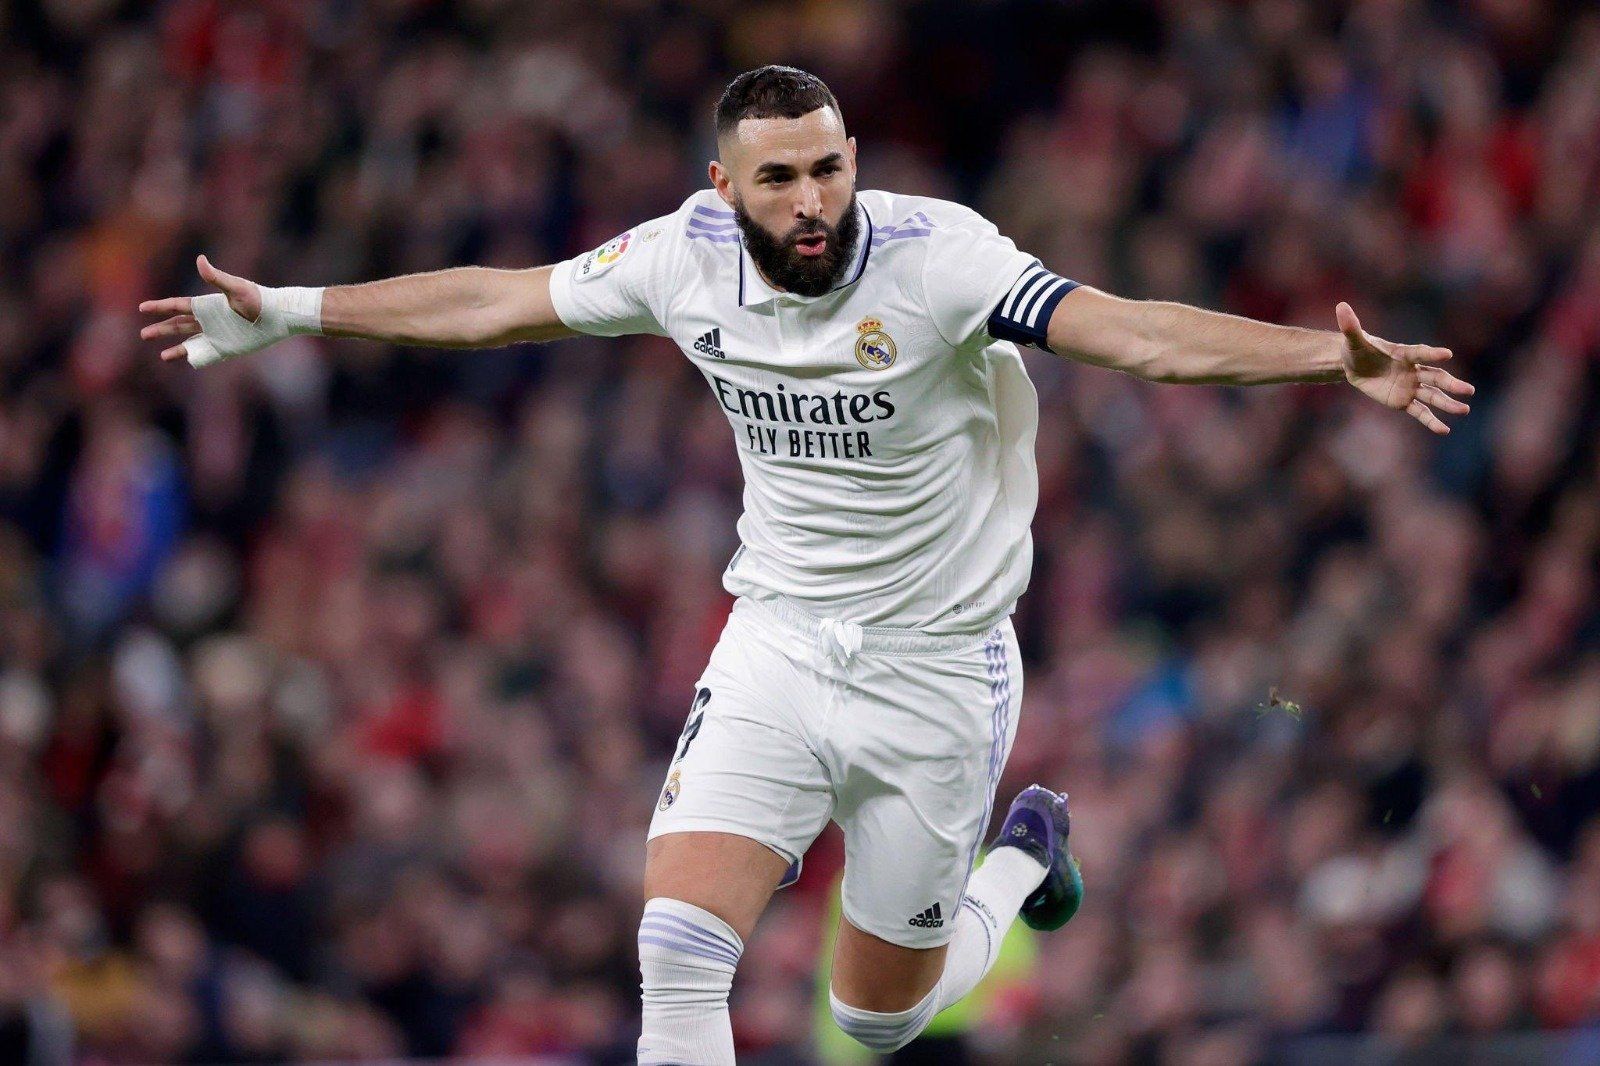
(464, 307)
(1172, 342)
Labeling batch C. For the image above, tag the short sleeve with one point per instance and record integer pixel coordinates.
(969, 266)
(621, 287)
(972, 272)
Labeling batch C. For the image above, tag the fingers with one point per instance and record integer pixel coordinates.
(1414, 354)
(200, 350)
(1349, 324)
(238, 294)
(176, 305)
(1437, 399)
(1419, 410)
(176, 326)
(1419, 353)
(244, 295)
(219, 278)
(1443, 379)
(183, 305)
(208, 273)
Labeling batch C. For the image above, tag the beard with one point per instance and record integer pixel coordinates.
(781, 263)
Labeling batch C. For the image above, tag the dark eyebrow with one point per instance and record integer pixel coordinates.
(775, 169)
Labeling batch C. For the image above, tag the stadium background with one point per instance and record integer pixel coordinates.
(338, 683)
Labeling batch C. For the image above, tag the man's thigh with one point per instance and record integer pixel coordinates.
(731, 876)
(744, 778)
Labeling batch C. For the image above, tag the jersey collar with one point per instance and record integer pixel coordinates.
(755, 292)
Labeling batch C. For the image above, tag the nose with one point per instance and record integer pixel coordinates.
(808, 204)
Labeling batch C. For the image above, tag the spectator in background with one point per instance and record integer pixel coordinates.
(35, 1029)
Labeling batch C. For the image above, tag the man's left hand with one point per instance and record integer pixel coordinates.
(1403, 377)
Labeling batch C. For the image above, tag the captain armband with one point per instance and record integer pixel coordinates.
(1023, 313)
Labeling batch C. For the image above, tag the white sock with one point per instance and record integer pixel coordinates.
(984, 916)
(883, 1032)
(687, 957)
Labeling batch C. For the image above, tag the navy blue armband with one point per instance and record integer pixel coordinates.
(1023, 313)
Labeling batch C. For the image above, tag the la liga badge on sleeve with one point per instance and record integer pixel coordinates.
(599, 261)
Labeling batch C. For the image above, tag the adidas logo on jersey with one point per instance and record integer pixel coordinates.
(711, 344)
(931, 918)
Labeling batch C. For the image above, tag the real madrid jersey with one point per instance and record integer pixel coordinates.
(885, 429)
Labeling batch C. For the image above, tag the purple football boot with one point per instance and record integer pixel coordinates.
(1038, 823)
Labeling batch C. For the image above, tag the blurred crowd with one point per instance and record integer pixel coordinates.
(337, 684)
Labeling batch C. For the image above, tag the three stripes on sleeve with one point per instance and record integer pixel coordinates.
(1023, 313)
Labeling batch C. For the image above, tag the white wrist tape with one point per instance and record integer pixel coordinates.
(225, 333)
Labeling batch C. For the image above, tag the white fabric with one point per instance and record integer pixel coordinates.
(687, 958)
(893, 486)
(992, 900)
(842, 639)
(883, 1032)
(226, 334)
(903, 750)
(969, 269)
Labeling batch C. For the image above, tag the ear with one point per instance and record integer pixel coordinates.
(722, 181)
(850, 143)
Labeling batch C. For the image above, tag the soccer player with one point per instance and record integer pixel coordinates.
(864, 348)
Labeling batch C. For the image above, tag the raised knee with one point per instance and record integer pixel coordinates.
(881, 1032)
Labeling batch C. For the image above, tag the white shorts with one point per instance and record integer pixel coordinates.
(902, 745)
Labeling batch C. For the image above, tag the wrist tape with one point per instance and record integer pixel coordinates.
(225, 333)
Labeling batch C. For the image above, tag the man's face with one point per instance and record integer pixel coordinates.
(791, 183)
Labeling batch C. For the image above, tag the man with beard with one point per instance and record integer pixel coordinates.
(864, 349)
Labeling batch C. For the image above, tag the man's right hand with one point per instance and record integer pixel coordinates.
(242, 317)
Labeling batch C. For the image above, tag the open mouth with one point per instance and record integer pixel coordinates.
(812, 244)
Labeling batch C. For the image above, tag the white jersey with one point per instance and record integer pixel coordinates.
(885, 434)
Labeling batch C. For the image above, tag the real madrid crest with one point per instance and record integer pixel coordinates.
(669, 795)
(874, 348)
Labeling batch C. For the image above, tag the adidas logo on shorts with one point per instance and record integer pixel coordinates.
(929, 919)
(711, 344)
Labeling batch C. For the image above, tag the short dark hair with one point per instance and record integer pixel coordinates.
(772, 92)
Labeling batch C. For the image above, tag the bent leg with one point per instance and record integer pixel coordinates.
(919, 932)
(883, 994)
(691, 937)
(875, 975)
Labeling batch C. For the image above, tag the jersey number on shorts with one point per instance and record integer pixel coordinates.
(691, 729)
